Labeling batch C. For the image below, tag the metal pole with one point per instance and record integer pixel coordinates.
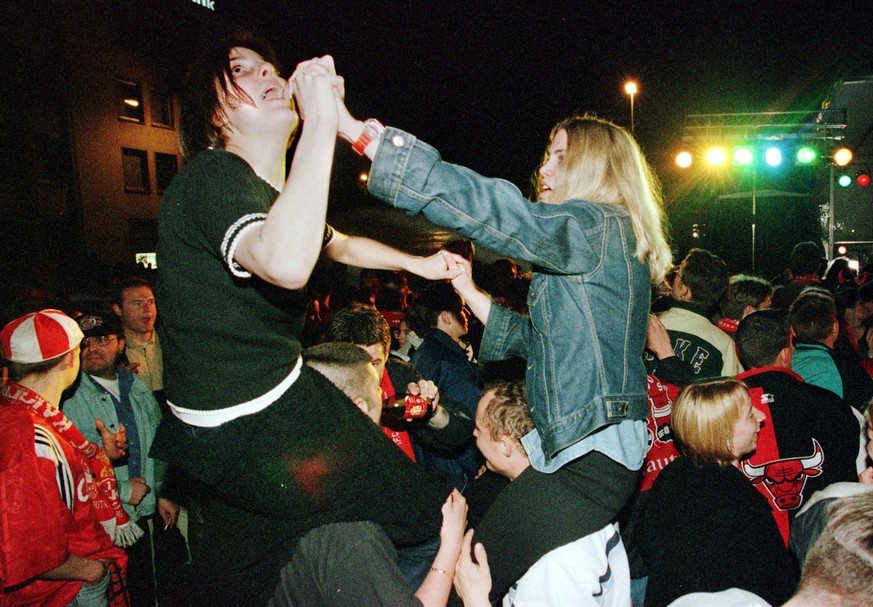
(830, 250)
(754, 209)
(632, 113)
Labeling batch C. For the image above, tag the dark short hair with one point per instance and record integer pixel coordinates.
(761, 336)
(360, 325)
(344, 364)
(128, 282)
(743, 291)
(434, 299)
(805, 258)
(206, 82)
(706, 274)
(813, 314)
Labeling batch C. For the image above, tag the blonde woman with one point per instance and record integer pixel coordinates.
(705, 527)
(596, 243)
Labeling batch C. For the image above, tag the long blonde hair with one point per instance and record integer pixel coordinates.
(604, 164)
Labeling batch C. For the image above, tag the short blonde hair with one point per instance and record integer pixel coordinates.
(507, 413)
(604, 164)
(704, 416)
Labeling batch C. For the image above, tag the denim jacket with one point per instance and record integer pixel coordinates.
(589, 302)
(91, 400)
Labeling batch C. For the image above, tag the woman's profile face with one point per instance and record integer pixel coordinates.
(551, 169)
(266, 95)
(745, 438)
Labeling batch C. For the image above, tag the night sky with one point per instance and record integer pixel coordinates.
(485, 81)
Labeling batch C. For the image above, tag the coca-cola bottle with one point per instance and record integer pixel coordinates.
(414, 406)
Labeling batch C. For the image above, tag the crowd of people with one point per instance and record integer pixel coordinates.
(606, 429)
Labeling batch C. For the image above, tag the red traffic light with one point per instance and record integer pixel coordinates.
(863, 179)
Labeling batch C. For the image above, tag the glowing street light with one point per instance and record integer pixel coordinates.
(630, 88)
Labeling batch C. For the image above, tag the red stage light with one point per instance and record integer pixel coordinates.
(863, 179)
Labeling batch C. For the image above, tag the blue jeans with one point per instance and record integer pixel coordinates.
(93, 596)
(415, 561)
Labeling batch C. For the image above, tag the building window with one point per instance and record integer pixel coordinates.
(162, 109)
(166, 167)
(130, 105)
(135, 164)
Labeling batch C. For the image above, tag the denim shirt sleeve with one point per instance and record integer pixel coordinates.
(410, 175)
(506, 334)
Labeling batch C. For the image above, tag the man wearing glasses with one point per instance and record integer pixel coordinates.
(110, 398)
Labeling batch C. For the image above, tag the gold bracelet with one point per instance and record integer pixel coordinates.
(443, 571)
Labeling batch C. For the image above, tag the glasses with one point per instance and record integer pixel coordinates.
(99, 340)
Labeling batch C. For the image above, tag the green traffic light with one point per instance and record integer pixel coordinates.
(743, 156)
(806, 155)
(844, 181)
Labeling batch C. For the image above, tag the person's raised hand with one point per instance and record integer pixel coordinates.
(314, 84)
(114, 443)
(473, 579)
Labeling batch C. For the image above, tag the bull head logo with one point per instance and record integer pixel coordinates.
(786, 478)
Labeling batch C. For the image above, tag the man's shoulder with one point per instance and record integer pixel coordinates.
(688, 321)
(401, 372)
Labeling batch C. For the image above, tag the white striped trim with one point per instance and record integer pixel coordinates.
(47, 447)
(216, 417)
(231, 240)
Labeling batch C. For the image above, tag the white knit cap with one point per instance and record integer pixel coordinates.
(40, 336)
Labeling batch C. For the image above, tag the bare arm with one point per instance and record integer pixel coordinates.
(284, 248)
(478, 300)
(78, 567)
(434, 590)
(367, 253)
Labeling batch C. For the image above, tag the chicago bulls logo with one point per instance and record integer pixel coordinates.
(786, 478)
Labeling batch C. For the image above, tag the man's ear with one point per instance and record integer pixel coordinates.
(446, 317)
(506, 445)
(117, 309)
(684, 292)
(70, 358)
(362, 404)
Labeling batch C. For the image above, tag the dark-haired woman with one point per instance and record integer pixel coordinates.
(279, 449)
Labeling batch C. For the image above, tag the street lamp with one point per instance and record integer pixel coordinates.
(630, 88)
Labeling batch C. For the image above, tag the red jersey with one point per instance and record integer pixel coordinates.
(46, 513)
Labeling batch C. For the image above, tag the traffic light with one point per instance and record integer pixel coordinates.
(844, 180)
(863, 179)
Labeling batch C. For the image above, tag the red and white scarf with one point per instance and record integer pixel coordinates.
(101, 484)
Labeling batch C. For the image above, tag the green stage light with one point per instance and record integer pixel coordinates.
(844, 181)
(806, 155)
(743, 156)
(773, 156)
